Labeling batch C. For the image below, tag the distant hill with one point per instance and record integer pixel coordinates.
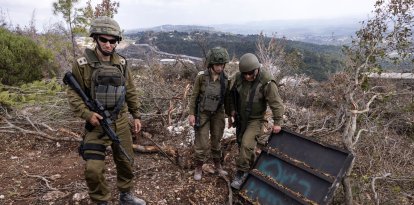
(318, 61)
(327, 31)
(169, 28)
(336, 31)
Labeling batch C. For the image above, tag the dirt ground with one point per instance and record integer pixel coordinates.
(38, 171)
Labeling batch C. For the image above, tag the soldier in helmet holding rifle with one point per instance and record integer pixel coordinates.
(206, 110)
(252, 90)
(103, 76)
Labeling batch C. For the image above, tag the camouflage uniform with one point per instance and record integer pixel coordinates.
(212, 122)
(251, 118)
(207, 104)
(95, 140)
(266, 94)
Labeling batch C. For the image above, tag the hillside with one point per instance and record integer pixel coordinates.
(317, 61)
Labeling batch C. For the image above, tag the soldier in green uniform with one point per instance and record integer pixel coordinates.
(103, 75)
(252, 90)
(206, 110)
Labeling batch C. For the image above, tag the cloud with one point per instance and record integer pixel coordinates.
(148, 13)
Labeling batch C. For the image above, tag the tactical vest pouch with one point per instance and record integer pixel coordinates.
(109, 95)
(211, 103)
(211, 98)
(108, 86)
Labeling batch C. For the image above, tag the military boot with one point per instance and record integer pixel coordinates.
(239, 177)
(198, 172)
(219, 168)
(127, 198)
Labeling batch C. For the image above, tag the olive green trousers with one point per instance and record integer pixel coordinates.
(208, 137)
(248, 144)
(95, 169)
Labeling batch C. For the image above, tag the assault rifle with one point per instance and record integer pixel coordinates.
(96, 106)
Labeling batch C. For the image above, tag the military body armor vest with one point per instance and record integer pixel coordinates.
(258, 104)
(213, 95)
(107, 81)
(108, 85)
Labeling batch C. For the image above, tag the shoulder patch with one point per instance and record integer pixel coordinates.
(122, 61)
(82, 61)
(201, 72)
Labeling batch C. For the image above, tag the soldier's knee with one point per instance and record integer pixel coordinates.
(93, 168)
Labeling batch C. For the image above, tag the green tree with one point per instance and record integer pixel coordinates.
(66, 8)
(107, 8)
(83, 18)
(86, 14)
(21, 59)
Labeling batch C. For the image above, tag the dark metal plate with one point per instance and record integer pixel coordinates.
(294, 169)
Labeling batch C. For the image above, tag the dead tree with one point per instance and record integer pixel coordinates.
(387, 32)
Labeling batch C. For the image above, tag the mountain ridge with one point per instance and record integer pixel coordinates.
(336, 31)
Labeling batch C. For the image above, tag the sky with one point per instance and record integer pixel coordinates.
(134, 14)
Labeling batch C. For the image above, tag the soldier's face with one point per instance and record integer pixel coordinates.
(251, 75)
(218, 68)
(107, 42)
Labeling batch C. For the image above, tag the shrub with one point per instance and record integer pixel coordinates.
(37, 92)
(21, 59)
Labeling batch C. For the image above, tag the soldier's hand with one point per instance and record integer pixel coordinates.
(137, 125)
(191, 120)
(94, 120)
(276, 129)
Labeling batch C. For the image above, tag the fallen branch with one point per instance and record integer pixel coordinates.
(376, 197)
(12, 128)
(44, 179)
(230, 196)
(166, 150)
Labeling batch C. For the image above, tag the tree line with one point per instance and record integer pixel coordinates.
(316, 61)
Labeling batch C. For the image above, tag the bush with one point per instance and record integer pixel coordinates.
(21, 59)
(37, 92)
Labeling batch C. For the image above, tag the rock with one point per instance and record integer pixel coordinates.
(56, 176)
(80, 196)
(53, 195)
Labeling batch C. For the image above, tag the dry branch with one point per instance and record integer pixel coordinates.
(12, 128)
(376, 197)
(44, 179)
(230, 196)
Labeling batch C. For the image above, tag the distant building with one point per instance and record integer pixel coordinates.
(84, 42)
(169, 61)
(391, 75)
(402, 80)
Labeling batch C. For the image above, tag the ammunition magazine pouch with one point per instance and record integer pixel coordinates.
(210, 103)
(108, 86)
(97, 148)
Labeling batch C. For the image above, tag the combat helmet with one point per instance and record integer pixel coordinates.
(217, 55)
(105, 25)
(248, 62)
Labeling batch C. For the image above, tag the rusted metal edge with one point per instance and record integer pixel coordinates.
(273, 183)
(302, 165)
(317, 142)
(338, 178)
